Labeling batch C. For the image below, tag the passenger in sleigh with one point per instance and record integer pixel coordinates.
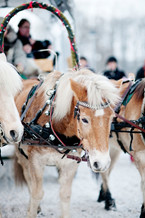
(15, 54)
(32, 47)
(140, 73)
(112, 71)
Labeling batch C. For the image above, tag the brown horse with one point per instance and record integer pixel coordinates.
(134, 109)
(81, 108)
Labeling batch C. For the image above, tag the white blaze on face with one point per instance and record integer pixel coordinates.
(99, 161)
(99, 112)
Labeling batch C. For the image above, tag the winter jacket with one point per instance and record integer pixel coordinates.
(140, 73)
(25, 40)
(116, 75)
(15, 54)
(13, 48)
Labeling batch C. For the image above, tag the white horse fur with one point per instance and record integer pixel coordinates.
(10, 86)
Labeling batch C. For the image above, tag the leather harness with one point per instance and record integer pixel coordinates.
(36, 135)
(45, 136)
(132, 124)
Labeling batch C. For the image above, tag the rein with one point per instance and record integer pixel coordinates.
(78, 159)
(27, 106)
(132, 123)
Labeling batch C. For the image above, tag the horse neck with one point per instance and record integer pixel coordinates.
(37, 104)
(68, 125)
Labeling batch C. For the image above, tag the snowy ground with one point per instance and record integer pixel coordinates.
(124, 185)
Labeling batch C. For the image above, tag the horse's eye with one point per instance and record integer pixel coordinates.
(84, 120)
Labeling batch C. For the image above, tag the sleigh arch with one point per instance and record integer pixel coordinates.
(50, 8)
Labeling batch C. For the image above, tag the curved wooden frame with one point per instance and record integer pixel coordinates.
(55, 11)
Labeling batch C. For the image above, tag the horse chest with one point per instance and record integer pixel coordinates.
(50, 157)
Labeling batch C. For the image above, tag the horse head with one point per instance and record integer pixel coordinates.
(94, 99)
(10, 85)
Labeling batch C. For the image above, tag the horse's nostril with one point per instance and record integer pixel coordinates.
(96, 165)
(13, 134)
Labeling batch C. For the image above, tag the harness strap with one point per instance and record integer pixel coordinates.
(117, 109)
(78, 159)
(131, 135)
(129, 122)
(42, 141)
(131, 92)
(120, 143)
(31, 100)
(28, 97)
(22, 152)
(38, 114)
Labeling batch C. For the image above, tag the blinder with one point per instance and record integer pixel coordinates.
(77, 111)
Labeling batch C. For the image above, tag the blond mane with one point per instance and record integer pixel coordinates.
(10, 81)
(98, 88)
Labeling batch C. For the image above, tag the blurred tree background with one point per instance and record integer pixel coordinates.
(112, 27)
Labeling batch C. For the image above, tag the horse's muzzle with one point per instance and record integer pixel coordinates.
(99, 161)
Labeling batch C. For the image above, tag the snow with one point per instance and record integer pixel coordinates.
(124, 180)
(124, 186)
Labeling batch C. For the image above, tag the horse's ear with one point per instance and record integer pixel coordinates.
(117, 83)
(78, 89)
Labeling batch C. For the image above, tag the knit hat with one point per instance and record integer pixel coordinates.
(111, 59)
